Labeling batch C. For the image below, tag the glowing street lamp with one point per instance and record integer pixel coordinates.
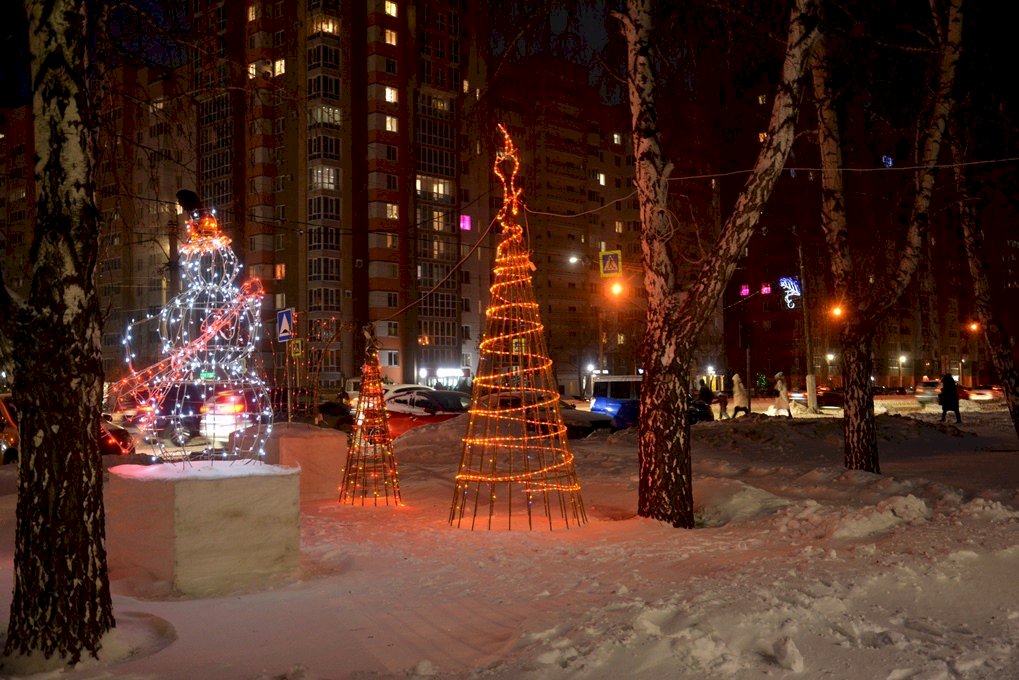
(902, 360)
(974, 328)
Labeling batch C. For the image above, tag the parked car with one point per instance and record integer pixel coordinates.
(232, 409)
(408, 409)
(580, 424)
(927, 391)
(177, 417)
(114, 440)
(982, 393)
(389, 390)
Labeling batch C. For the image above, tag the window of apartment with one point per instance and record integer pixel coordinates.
(325, 115)
(323, 56)
(601, 178)
(390, 8)
(327, 87)
(619, 226)
(382, 239)
(391, 154)
(392, 183)
(383, 298)
(322, 177)
(391, 95)
(279, 67)
(465, 332)
(390, 36)
(392, 124)
(390, 357)
(322, 24)
(323, 208)
(323, 146)
(392, 211)
(388, 329)
(617, 138)
(281, 272)
(391, 66)
(323, 269)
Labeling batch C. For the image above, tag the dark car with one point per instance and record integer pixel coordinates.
(114, 440)
(413, 408)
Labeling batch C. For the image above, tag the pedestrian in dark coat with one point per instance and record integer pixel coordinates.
(949, 397)
(705, 394)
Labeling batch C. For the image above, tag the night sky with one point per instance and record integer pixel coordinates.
(13, 55)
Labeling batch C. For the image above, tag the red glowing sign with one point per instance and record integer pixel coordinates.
(744, 290)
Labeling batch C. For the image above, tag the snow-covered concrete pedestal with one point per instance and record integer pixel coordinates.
(320, 452)
(201, 529)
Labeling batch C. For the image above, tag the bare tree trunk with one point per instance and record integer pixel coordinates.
(865, 307)
(858, 426)
(999, 342)
(61, 604)
(675, 316)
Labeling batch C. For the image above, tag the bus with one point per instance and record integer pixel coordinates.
(617, 396)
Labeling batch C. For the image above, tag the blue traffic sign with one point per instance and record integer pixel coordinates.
(285, 324)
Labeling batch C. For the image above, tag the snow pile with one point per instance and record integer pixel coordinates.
(798, 568)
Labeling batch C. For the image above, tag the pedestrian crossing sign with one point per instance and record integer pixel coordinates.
(611, 263)
(285, 324)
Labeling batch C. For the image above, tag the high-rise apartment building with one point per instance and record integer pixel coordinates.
(329, 141)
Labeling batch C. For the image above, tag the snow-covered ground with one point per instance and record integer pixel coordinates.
(798, 569)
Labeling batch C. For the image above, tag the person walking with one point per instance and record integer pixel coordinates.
(782, 398)
(740, 399)
(723, 405)
(705, 394)
(949, 397)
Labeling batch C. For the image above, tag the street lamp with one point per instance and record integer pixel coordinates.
(974, 328)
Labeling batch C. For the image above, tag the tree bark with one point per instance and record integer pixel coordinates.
(866, 306)
(61, 604)
(676, 316)
(999, 343)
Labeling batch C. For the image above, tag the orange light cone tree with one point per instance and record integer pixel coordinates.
(517, 468)
(370, 475)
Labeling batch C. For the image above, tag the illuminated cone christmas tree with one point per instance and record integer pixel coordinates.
(517, 467)
(370, 475)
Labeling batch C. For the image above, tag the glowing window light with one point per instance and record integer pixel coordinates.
(516, 465)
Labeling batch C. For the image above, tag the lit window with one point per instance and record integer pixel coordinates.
(762, 136)
(601, 178)
(279, 67)
(467, 87)
(392, 211)
(617, 138)
(390, 36)
(252, 69)
(253, 12)
(762, 99)
(391, 8)
(281, 272)
(619, 227)
(323, 24)
(391, 124)
(620, 339)
(391, 95)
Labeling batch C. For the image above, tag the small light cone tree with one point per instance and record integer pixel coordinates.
(516, 463)
(370, 475)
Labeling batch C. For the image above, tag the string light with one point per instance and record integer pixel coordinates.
(370, 474)
(202, 399)
(515, 449)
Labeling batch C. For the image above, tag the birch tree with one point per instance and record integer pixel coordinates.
(675, 314)
(61, 605)
(867, 305)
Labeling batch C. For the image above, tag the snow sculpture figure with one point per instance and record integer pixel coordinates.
(782, 396)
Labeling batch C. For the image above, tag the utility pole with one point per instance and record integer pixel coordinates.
(811, 378)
